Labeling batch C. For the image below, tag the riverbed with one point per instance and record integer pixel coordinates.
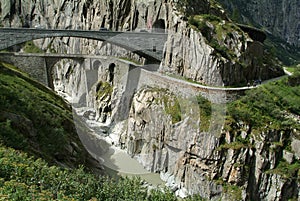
(115, 160)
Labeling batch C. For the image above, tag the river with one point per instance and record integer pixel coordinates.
(115, 160)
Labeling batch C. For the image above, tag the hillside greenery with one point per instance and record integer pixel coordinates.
(270, 106)
(216, 31)
(23, 178)
(27, 111)
(36, 124)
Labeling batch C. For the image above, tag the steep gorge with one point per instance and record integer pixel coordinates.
(162, 127)
(167, 130)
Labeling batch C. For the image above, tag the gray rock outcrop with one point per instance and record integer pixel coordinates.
(238, 165)
(280, 18)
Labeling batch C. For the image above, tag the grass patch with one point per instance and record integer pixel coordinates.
(30, 47)
(287, 170)
(172, 107)
(205, 112)
(234, 191)
(103, 90)
(33, 118)
(234, 145)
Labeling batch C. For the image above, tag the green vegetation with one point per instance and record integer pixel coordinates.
(292, 69)
(192, 7)
(30, 47)
(269, 107)
(205, 112)
(236, 145)
(287, 170)
(172, 107)
(233, 191)
(22, 178)
(215, 30)
(27, 111)
(103, 89)
(294, 79)
(266, 107)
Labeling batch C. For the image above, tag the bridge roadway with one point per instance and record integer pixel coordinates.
(146, 44)
(39, 66)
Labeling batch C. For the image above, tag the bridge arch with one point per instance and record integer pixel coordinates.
(51, 64)
(140, 43)
(96, 65)
(111, 69)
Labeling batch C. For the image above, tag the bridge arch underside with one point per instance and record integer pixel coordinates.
(62, 78)
(76, 80)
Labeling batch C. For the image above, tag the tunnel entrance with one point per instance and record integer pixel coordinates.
(159, 26)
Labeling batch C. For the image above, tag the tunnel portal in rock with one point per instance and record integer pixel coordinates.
(159, 26)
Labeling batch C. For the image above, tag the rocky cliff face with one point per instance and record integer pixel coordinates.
(236, 165)
(281, 18)
(167, 131)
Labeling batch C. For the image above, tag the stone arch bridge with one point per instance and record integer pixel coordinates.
(40, 66)
(127, 77)
(146, 44)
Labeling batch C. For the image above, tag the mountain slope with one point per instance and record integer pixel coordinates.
(34, 119)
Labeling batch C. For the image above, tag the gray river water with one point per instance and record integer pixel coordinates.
(116, 161)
